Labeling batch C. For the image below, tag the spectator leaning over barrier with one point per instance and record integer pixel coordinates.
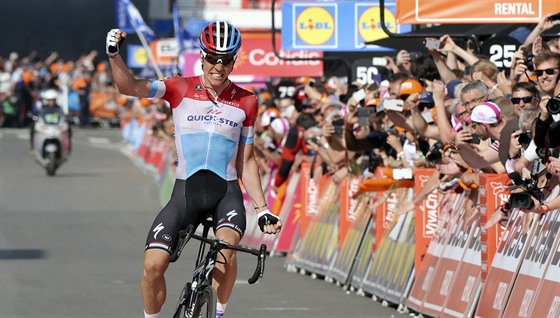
(485, 122)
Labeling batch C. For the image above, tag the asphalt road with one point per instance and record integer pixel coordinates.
(71, 245)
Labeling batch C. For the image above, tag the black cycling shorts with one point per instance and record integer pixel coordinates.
(192, 201)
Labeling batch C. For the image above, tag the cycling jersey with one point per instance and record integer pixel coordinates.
(207, 131)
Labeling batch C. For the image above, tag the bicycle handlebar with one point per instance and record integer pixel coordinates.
(186, 235)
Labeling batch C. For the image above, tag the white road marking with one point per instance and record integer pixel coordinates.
(98, 140)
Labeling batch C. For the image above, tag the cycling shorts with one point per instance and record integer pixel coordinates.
(192, 201)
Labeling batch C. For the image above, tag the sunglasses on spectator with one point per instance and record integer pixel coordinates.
(215, 59)
(548, 71)
(525, 99)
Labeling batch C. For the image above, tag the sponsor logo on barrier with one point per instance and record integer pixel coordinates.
(429, 208)
(313, 197)
(392, 203)
(352, 214)
(467, 291)
(500, 296)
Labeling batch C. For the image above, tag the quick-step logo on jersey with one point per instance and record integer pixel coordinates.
(212, 116)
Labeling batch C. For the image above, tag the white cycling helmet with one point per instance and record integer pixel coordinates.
(50, 94)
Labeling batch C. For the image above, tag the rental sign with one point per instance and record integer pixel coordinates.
(474, 11)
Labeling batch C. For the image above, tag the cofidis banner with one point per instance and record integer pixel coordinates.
(336, 26)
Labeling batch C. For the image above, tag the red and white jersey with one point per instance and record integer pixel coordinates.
(207, 131)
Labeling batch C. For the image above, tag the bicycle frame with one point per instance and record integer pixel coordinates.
(201, 282)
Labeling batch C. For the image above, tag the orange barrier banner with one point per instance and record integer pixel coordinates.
(474, 11)
(505, 266)
(401, 263)
(426, 215)
(448, 263)
(290, 213)
(350, 246)
(317, 248)
(426, 273)
(533, 268)
(309, 196)
(546, 301)
(348, 206)
(461, 297)
(493, 192)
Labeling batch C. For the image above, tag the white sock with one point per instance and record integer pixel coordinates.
(221, 307)
(156, 315)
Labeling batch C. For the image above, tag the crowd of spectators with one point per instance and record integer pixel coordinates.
(450, 109)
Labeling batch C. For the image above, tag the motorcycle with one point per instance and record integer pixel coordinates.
(51, 142)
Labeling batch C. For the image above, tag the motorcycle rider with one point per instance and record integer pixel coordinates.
(51, 113)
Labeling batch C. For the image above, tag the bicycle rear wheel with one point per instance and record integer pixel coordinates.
(206, 303)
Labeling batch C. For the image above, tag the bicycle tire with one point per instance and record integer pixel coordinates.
(206, 303)
(180, 312)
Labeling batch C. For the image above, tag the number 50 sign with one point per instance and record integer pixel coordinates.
(500, 50)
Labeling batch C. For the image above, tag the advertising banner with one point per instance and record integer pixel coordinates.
(424, 277)
(336, 26)
(533, 268)
(493, 192)
(462, 295)
(256, 59)
(447, 267)
(506, 264)
(426, 221)
(546, 301)
(474, 11)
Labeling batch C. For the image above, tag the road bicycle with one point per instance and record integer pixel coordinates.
(198, 298)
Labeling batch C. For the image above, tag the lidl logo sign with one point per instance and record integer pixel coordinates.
(315, 26)
(369, 23)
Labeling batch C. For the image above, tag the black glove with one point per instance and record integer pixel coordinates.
(266, 218)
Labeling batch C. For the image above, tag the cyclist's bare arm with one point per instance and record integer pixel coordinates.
(125, 81)
(248, 170)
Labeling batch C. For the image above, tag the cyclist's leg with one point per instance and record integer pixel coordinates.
(160, 242)
(230, 225)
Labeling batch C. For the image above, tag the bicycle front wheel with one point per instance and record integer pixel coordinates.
(205, 306)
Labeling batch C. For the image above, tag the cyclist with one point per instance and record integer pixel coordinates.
(214, 125)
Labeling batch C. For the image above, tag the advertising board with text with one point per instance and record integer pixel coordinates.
(336, 26)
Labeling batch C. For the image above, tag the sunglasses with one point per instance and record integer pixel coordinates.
(517, 100)
(548, 71)
(215, 59)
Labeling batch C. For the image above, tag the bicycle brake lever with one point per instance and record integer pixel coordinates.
(259, 271)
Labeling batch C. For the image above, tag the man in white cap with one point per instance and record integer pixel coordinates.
(486, 122)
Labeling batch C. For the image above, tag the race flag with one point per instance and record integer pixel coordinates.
(185, 40)
(129, 19)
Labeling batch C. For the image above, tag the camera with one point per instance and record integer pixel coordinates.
(523, 200)
(393, 104)
(338, 124)
(363, 115)
(528, 60)
(435, 155)
(524, 138)
(433, 44)
(475, 139)
(553, 105)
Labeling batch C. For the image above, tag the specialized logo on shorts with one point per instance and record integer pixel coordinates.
(231, 214)
(158, 229)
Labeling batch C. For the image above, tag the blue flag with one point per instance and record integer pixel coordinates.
(179, 31)
(130, 20)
